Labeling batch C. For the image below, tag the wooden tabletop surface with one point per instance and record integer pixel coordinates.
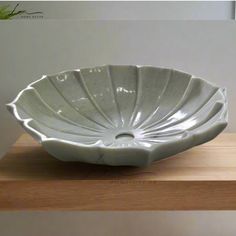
(202, 178)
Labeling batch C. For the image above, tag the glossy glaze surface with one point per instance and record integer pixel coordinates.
(120, 115)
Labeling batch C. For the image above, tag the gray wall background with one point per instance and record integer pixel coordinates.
(29, 49)
(130, 10)
(177, 223)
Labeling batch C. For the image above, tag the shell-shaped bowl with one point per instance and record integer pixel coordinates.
(120, 115)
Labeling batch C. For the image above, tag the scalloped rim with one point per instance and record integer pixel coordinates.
(223, 120)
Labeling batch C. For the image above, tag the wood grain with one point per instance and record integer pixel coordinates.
(203, 178)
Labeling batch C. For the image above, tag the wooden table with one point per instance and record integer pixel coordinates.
(203, 178)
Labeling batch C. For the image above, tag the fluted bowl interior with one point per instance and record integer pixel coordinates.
(120, 115)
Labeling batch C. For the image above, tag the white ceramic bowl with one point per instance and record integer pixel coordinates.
(120, 115)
